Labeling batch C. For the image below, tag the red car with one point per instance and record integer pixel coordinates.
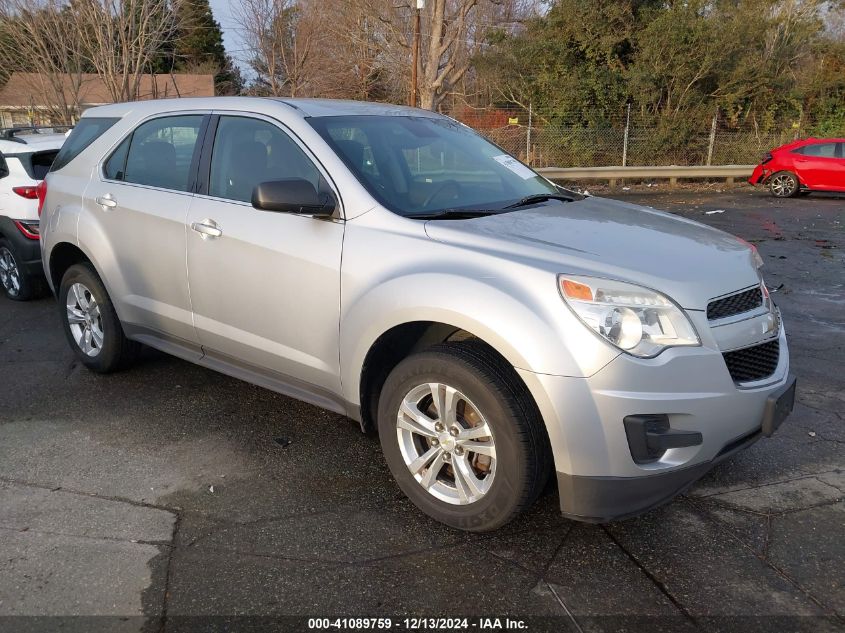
(812, 164)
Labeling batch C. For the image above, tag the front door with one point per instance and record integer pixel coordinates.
(265, 286)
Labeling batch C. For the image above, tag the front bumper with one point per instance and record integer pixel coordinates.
(598, 478)
(603, 499)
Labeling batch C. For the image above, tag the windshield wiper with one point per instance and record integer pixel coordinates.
(453, 214)
(540, 197)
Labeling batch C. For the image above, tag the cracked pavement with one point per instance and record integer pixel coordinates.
(169, 491)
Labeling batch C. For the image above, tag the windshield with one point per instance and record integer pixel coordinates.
(422, 165)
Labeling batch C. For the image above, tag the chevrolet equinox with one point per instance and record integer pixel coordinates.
(392, 265)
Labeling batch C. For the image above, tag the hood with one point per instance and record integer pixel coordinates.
(688, 261)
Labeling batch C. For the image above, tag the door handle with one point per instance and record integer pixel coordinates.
(207, 228)
(106, 201)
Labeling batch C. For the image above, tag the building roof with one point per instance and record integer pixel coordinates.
(24, 90)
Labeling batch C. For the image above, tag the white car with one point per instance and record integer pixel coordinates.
(25, 157)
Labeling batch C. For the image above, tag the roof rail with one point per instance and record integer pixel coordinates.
(10, 133)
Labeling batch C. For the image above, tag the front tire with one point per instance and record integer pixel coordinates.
(462, 436)
(784, 184)
(91, 323)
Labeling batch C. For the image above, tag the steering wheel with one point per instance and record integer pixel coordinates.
(444, 186)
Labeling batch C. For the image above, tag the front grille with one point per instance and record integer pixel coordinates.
(735, 304)
(753, 363)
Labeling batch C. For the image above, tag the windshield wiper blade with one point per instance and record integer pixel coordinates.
(539, 197)
(453, 214)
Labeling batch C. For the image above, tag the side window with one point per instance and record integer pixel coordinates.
(115, 167)
(4, 169)
(250, 151)
(840, 150)
(824, 150)
(161, 150)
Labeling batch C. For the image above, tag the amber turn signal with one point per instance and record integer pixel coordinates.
(575, 290)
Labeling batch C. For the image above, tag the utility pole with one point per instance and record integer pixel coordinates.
(412, 99)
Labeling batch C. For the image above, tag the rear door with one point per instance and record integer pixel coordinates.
(141, 198)
(820, 166)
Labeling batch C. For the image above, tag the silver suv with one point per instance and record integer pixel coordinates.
(391, 265)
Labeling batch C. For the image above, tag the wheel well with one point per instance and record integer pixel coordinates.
(62, 257)
(397, 344)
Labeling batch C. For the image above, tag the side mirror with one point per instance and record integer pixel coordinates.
(292, 195)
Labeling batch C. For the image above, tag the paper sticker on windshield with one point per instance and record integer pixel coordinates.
(515, 166)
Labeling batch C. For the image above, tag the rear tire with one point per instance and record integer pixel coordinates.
(91, 323)
(16, 284)
(492, 412)
(784, 184)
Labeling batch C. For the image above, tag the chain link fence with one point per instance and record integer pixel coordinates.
(544, 141)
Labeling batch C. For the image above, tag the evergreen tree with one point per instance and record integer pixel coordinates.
(199, 46)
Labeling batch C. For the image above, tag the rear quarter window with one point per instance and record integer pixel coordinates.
(86, 132)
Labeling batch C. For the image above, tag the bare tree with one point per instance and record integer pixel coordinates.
(40, 38)
(283, 36)
(362, 48)
(350, 61)
(121, 40)
(452, 33)
(446, 52)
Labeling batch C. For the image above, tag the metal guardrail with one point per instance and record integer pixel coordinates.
(612, 174)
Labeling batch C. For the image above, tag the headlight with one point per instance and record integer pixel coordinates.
(637, 320)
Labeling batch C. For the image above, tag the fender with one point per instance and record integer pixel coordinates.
(540, 336)
(537, 337)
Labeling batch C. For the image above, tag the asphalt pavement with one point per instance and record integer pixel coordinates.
(157, 497)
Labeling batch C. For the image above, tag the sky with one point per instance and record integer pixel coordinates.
(224, 14)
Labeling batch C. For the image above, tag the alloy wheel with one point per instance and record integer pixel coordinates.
(783, 185)
(10, 276)
(83, 317)
(446, 443)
